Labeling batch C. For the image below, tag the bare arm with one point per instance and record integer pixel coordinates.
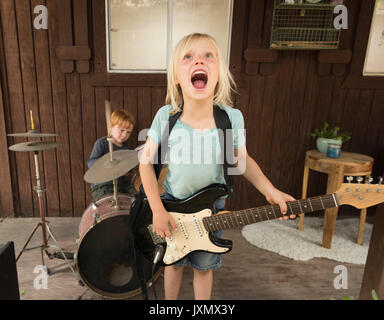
(252, 172)
(161, 217)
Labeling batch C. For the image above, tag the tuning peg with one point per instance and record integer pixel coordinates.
(359, 179)
(349, 179)
(380, 180)
(369, 179)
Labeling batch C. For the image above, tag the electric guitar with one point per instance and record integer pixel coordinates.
(196, 223)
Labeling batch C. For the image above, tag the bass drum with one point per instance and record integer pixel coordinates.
(105, 256)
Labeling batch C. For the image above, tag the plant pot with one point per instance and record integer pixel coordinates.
(322, 144)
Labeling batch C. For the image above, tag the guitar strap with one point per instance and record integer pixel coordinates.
(222, 122)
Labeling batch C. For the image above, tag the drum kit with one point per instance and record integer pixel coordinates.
(105, 257)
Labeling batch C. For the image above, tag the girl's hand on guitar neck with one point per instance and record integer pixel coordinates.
(275, 196)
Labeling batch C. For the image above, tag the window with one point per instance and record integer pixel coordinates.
(374, 62)
(142, 33)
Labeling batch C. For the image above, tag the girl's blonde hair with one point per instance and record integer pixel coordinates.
(225, 85)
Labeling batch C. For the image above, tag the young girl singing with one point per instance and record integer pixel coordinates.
(198, 78)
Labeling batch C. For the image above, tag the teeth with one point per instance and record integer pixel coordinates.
(198, 72)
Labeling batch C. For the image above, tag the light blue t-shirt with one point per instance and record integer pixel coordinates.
(194, 159)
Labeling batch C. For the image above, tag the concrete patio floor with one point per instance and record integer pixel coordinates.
(247, 273)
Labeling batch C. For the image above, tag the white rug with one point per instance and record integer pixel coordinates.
(282, 237)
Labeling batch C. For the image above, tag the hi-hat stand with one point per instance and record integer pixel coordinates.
(43, 223)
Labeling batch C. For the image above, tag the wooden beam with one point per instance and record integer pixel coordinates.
(73, 52)
(260, 55)
(334, 56)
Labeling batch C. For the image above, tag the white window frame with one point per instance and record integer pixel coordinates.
(367, 52)
(169, 39)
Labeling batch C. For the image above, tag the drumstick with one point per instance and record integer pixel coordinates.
(32, 123)
(108, 115)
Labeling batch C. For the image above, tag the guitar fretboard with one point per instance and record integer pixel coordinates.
(241, 218)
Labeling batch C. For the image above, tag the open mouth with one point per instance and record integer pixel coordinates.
(199, 79)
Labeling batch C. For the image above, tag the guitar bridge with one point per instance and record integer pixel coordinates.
(155, 238)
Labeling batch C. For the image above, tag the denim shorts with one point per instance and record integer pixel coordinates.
(201, 260)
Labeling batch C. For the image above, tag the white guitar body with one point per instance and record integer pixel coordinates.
(190, 235)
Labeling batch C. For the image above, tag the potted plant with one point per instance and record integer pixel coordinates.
(326, 135)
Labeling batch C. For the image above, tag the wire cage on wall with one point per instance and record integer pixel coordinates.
(304, 24)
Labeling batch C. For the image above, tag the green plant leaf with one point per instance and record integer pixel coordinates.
(374, 295)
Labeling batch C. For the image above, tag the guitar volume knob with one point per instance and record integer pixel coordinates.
(169, 259)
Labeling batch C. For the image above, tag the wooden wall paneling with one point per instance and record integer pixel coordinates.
(323, 101)
(240, 100)
(65, 24)
(238, 34)
(349, 116)
(361, 122)
(255, 23)
(28, 73)
(268, 15)
(157, 99)
(68, 21)
(361, 39)
(375, 126)
(335, 114)
(255, 32)
(130, 104)
(88, 126)
(302, 112)
(117, 97)
(80, 17)
(60, 111)
(144, 107)
(6, 196)
(267, 68)
(20, 166)
(266, 122)
(347, 35)
(101, 94)
(257, 145)
(305, 141)
(76, 142)
(99, 32)
(281, 150)
(47, 124)
(252, 112)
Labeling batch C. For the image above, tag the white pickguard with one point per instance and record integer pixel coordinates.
(190, 235)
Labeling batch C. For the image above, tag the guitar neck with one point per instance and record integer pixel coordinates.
(239, 218)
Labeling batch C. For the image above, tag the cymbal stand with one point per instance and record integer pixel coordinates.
(115, 201)
(43, 224)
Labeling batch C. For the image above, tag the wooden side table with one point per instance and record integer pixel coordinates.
(349, 164)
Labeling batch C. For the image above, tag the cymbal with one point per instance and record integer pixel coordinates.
(32, 134)
(104, 169)
(34, 146)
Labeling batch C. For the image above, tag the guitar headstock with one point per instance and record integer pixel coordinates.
(361, 195)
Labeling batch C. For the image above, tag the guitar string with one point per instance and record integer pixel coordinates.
(235, 218)
(317, 203)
